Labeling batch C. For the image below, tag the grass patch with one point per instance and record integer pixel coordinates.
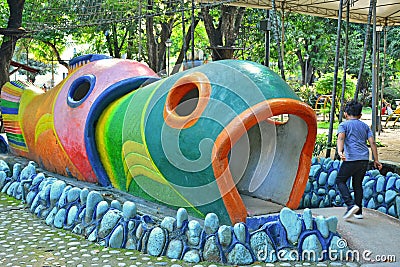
(366, 110)
(325, 125)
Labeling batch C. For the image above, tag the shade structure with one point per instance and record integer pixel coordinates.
(387, 11)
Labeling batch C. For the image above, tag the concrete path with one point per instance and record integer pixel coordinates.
(376, 237)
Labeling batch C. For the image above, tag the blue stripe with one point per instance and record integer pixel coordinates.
(18, 84)
(89, 57)
(5, 110)
(109, 95)
(16, 142)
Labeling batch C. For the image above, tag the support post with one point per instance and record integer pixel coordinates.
(332, 113)
(374, 69)
(346, 52)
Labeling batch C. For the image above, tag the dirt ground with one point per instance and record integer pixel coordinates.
(390, 137)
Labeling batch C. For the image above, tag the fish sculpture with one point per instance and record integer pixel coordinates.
(208, 139)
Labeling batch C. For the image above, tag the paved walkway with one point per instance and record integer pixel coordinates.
(375, 237)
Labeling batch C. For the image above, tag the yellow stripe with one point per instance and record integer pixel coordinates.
(100, 137)
(10, 117)
(22, 148)
(137, 170)
(45, 123)
(12, 89)
(133, 147)
(135, 160)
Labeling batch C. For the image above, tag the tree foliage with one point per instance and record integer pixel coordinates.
(324, 85)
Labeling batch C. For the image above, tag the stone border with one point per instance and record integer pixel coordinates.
(287, 236)
(381, 192)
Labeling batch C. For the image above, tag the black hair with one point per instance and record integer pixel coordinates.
(353, 108)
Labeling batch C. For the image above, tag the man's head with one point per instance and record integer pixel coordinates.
(353, 108)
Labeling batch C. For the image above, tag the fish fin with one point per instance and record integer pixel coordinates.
(80, 61)
(45, 123)
(135, 155)
(141, 168)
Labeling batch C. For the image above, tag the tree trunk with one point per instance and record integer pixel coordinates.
(183, 50)
(152, 45)
(130, 42)
(108, 41)
(115, 41)
(8, 45)
(223, 38)
(156, 50)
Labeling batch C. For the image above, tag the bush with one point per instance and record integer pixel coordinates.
(321, 143)
(307, 94)
(324, 85)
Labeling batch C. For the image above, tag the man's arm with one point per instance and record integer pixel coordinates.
(340, 145)
(374, 150)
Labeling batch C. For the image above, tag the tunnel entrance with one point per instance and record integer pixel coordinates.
(261, 163)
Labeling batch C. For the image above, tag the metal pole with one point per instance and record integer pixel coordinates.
(168, 62)
(332, 114)
(140, 31)
(374, 69)
(267, 40)
(383, 69)
(184, 32)
(378, 68)
(346, 52)
(192, 33)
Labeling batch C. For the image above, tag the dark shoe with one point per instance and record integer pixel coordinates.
(350, 211)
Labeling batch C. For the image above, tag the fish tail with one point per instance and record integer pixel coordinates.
(10, 99)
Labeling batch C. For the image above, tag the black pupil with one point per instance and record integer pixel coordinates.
(81, 91)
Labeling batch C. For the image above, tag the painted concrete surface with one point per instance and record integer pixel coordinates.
(377, 233)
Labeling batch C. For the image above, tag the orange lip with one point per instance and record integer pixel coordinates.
(237, 128)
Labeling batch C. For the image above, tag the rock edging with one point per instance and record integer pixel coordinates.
(381, 192)
(287, 236)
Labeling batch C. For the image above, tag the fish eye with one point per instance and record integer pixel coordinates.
(187, 100)
(80, 89)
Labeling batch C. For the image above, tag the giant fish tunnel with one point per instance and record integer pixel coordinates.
(210, 139)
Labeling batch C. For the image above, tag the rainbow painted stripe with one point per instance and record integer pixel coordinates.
(11, 95)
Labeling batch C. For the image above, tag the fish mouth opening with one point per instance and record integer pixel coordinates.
(109, 95)
(261, 164)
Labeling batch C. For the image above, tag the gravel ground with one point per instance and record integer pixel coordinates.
(25, 240)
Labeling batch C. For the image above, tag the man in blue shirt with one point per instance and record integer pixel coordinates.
(353, 151)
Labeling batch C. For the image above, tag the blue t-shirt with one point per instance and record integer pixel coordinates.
(355, 142)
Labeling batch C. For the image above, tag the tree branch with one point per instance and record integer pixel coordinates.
(55, 50)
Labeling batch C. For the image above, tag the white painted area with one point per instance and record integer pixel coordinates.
(267, 169)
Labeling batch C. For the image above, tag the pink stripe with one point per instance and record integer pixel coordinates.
(10, 97)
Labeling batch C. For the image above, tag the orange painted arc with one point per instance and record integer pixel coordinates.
(232, 133)
(183, 86)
